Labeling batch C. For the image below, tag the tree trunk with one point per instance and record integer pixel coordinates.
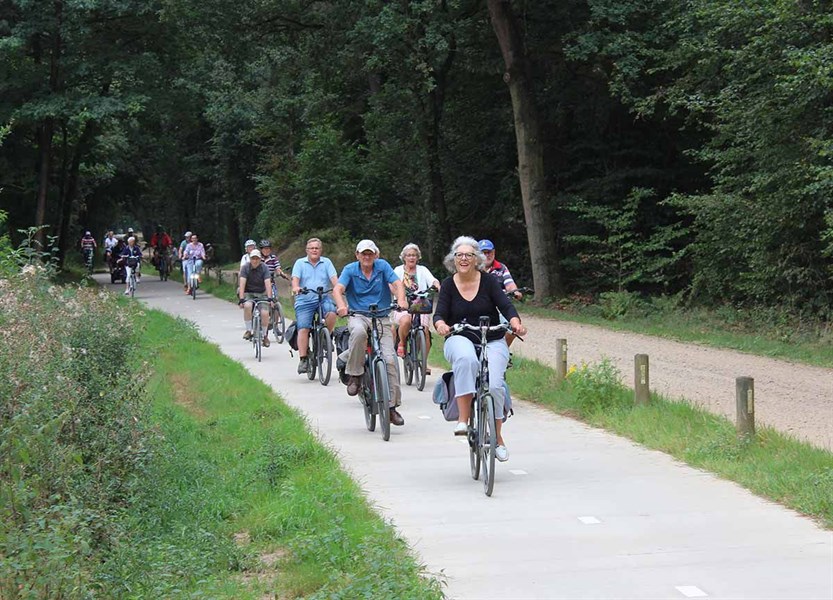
(44, 162)
(69, 192)
(542, 249)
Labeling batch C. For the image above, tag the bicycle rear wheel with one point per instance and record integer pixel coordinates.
(420, 359)
(367, 396)
(474, 451)
(278, 322)
(382, 396)
(324, 356)
(487, 436)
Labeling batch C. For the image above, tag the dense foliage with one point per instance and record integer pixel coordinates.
(686, 145)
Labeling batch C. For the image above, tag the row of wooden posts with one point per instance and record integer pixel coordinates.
(744, 388)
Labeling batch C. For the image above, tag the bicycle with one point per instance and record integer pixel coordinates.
(163, 266)
(88, 261)
(482, 429)
(277, 321)
(320, 356)
(415, 361)
(131, 265)
(257, 338)
(193, 278)
(375, 392)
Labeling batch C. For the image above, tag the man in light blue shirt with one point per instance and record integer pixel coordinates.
(369, 281)
(312, 272)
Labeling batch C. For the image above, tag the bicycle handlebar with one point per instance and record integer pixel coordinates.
(303, 291)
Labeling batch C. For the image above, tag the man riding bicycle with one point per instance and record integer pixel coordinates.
(253, 283)
(182, 245)
(161, 243)
(312, 272)
(109, 242)
(366, 282)
(501, 272)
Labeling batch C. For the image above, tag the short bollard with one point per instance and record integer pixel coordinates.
(745, 398)
(560, 358)
(641, 380)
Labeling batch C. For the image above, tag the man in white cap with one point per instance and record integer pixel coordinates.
(361, 284)
(250, 245)
(254, 282)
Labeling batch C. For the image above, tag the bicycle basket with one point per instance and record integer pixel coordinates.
(421, 306)
(132, 262)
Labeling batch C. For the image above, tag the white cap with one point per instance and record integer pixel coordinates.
(254, 253)
(249, 243)
(187, 234)
(367, 245)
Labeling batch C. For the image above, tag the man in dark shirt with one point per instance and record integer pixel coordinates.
(254, 282)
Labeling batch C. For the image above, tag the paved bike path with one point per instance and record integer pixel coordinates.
(576, 512)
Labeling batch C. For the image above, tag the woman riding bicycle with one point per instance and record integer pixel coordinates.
(466, 296)
(415, 278)
(194, 250)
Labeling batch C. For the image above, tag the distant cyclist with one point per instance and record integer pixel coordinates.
(109, 242)
(131, 256)
(253, 283)
(196, 251)
(88, 246)
(312, 272)
(180, 251)
(415, 278)
(249, 245)
(161, 243)
(271, 261)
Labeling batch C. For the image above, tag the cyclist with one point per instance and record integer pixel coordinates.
(109, 242)
(311, 272)
(249, 245)
(369, 281)
(272, 261)
(195, 250)
(415, 278)
(131, 256)
(465, 296)
(182, 246)
(161, 243)
(88, 245)
(254, 282)
(501, 272)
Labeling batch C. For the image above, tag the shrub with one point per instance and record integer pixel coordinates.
(73, 440)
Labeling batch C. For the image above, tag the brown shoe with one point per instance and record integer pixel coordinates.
(353, 385)
(265, 342)
(248, 335)
(396, 418)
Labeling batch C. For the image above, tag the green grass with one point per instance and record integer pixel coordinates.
(244, 501)
(772, 465)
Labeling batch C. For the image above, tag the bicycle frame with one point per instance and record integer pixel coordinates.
(257, 338)
(315, 333)
(375, 374)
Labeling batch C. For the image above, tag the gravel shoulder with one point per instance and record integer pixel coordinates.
(792, 398)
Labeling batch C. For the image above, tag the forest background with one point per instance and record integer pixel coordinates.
(666, 147)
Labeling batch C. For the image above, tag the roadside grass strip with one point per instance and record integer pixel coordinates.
(773, 465)
(244, 501)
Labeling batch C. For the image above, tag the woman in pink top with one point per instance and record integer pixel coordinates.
(194, 250)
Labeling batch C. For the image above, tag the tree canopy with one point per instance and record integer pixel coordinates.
(651, 146)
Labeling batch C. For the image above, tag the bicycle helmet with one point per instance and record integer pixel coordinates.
(265, 244)
(249, 243)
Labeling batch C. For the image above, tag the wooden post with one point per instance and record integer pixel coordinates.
(560, 359)
(745, 400)
(219, 276)
(641, 380)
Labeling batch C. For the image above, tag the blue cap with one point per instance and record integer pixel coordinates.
(486, 245)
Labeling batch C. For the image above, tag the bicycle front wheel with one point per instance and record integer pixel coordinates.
(367, 401)
(382, 396)
(473, 432)
(256, 339)
(312, 355)
(487, 436)
(420, 359)
(324, 356)
(408, 359)
(278, 322)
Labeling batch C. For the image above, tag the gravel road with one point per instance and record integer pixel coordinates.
(793, 398)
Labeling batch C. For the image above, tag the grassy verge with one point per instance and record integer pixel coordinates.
(773, 465)
(244, 501)
(767, 333)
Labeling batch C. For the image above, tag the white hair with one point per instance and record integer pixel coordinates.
(464, 240)
(410, 247)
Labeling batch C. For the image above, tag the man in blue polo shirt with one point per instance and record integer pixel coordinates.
(312, 272)
(368, 281)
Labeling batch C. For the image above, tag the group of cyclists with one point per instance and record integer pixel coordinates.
(478, 285)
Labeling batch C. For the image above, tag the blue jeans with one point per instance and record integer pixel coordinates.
(460, 353)
(197, 265)
(304, 312)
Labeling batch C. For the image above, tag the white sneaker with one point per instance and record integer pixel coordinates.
(501, 453)
(461, 429)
